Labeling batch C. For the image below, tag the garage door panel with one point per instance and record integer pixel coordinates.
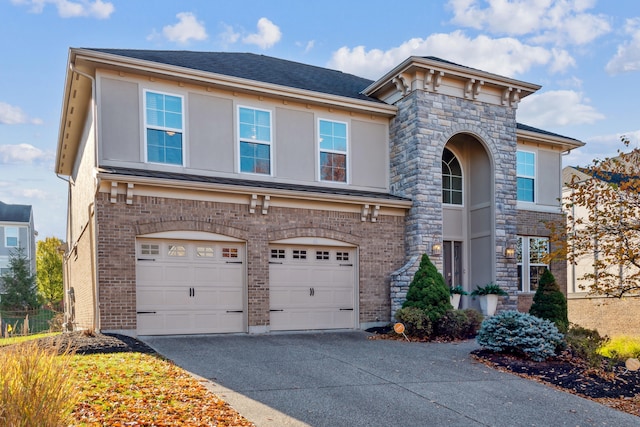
(309, 286)
(189, 287)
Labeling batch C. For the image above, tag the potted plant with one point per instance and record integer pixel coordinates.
(488, 296)
(455, 293)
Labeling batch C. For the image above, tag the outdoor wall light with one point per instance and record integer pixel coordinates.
(436, 249)
(509, 252)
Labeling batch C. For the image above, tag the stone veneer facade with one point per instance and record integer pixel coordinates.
(425, 122)
(379, 246)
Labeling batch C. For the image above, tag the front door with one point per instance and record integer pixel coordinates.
(453, 262)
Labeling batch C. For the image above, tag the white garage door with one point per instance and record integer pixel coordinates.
(312, 287)
(187, 287)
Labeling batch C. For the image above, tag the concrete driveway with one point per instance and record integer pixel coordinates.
(345, 379)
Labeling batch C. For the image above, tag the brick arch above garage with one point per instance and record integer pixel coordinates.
(191, 225)
(325, 233)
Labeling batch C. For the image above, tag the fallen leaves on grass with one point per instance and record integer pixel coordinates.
(134, 389)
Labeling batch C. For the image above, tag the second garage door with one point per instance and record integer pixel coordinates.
(312, 287)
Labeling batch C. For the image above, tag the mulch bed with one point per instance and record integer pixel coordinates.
(92, 343)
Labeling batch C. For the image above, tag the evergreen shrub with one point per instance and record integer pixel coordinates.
(428, 291)
(520, 333)
(549, 302)
(458, 324)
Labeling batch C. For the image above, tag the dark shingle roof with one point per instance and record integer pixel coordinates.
(15, 213)
(543, 132)
(249, 183)
(260, 68)
(272, 70)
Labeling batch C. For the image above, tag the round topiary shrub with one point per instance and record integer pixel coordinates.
(428, 291)
(515, 332)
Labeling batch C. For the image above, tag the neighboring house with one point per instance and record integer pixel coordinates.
(609, 315)
(233, 192)
(16, 231)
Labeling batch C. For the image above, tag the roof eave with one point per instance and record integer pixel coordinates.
(566, 144)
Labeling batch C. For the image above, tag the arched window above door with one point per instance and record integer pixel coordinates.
(451, 179)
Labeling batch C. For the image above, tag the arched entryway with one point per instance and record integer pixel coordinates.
(468, 222)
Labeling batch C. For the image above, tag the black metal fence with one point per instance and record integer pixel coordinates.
(29, 322)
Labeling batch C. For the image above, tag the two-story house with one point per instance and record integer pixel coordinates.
(16, 231)
(234, 192)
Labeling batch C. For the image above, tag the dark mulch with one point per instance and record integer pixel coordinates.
(571, 374)
(92, 343)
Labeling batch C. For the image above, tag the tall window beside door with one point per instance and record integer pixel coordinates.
(530, 253)
(451, 179)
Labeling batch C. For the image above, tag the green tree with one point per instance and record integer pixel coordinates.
(428, 291)
(49, 270)
(19, 284)
(549, 302)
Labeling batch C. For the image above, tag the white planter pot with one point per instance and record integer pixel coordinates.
(455, 300)
(488, 304)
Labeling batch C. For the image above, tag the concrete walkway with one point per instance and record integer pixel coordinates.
(344, 379)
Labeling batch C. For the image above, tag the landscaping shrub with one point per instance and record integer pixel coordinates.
(584, 343)
(416, 322)
(428, 291)
(549, 302)
(620, 348)
(474, 320)
(512, 331)
(36, 387)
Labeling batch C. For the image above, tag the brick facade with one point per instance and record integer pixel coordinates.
(609, 316)
(379, 245)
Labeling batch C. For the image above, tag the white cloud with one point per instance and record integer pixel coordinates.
(627, 58)
(503, 56)
(188, 28)
(601, 147)
(12, 115)
(547, 21)
(268, 34)
(22, 154)
(557, 108)
(71, 9)
(228, 36)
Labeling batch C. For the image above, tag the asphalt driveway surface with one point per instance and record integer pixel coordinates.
(345, 379)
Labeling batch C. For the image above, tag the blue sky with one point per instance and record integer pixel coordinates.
(584, 53)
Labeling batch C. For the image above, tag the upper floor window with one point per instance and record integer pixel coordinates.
(526, 170)
(332, 137)
(11, 237)
(530, 253)
(451, 179)
(164, 124)
(255, 140)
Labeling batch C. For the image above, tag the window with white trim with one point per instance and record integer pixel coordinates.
(526, 171)
(332, 143)
(451, 179)
(164, 128)
(254, 130)
(11, 239)
(530, 253)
